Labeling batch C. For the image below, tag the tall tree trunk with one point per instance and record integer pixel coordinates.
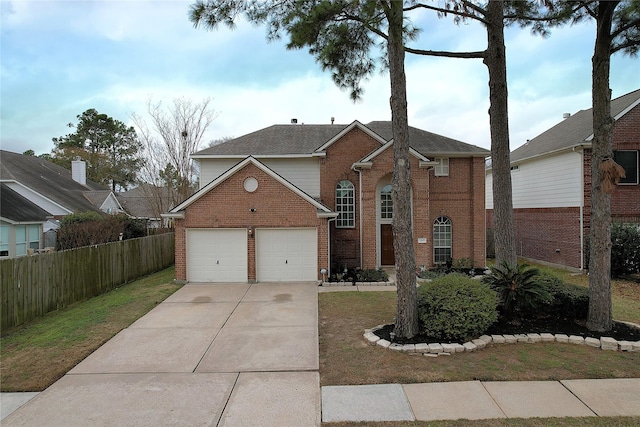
(600, 318)
(406, 325)
(496, 62)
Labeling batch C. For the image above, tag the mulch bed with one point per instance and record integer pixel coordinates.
(620, 331)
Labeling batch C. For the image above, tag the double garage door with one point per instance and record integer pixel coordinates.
(282, 254)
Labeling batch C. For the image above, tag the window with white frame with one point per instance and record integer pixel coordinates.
(386, 202)
(4, 240)
(442, 240)
(442, 168)
(27, 237)
(628, 159)
(345, 204)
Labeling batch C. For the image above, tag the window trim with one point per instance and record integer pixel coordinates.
(345, 208)
(442, 221)
(386, 210)
(442, 168)
(637, 177)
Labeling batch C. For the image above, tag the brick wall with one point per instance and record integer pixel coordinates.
(335, 167)
(229, 206)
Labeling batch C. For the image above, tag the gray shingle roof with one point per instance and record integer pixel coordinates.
(16, 208)
(281, 140)
(146, 201)
(570, 132)
(427, 143)
(48, 179)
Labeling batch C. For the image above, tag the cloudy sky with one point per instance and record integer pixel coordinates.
(60, 58)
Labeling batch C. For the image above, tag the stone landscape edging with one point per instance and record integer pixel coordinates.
(447, 349)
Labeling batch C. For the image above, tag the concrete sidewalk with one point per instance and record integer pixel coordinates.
(209, 355)
(240, 354)
(481, 400)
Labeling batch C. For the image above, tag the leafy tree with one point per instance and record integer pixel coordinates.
(109, 147)
(29, 153)
(176, 132)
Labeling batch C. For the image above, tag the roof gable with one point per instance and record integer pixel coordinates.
(322, 209)
(368, 160)
(573, 131)
(15, 208)
(47, 179)
(354, 125)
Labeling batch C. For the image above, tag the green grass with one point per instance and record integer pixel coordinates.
(506, 422)
(36, 354)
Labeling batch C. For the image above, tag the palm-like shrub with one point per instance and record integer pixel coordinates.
(518, 288)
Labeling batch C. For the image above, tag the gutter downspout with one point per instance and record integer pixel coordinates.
(582, 254)
(360, 211)
(329, 245)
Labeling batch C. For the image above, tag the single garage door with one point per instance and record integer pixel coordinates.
(286, 254)
(217, 255)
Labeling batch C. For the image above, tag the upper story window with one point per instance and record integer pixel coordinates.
(628, 159)
(442, 168)
(345, 204)
(386, 202)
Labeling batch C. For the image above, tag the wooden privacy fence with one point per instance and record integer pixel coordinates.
(32, 286)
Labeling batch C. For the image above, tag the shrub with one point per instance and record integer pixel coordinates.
(455, 307)
(520, 293)
(373, 275)
(625, 249)
(567, 300)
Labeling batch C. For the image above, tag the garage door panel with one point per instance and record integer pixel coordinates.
(286, 254)
(217, 255)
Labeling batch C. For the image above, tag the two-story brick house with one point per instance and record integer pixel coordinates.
(287, 201)
(551, 181)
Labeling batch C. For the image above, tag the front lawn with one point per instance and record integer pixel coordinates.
(38, 353)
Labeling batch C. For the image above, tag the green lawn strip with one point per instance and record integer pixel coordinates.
(347, 358)
(505, 422)
(41, 351)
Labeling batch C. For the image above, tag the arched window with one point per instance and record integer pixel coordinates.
(441, 240)
(386, 202)
(345, 205)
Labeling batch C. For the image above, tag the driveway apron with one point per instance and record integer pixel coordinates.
(209, 355)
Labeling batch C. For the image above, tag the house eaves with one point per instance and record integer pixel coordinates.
(33, 196)
(322, 209)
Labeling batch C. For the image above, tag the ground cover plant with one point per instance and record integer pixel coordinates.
(36, 354)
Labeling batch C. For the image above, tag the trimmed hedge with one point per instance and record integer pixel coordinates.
(456, 307)
(567, 300)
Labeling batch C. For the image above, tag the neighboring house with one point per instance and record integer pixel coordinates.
(51, 189)
(147, 202)
(551, 179)
(289, 202)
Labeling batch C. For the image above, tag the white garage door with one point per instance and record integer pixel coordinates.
(287, 254)
(217, 255)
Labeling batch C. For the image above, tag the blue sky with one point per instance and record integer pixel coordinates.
(60, 58)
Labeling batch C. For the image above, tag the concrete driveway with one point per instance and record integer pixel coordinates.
(209, 355)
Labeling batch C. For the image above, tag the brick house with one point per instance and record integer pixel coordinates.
(289, 201)
(551, 179)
